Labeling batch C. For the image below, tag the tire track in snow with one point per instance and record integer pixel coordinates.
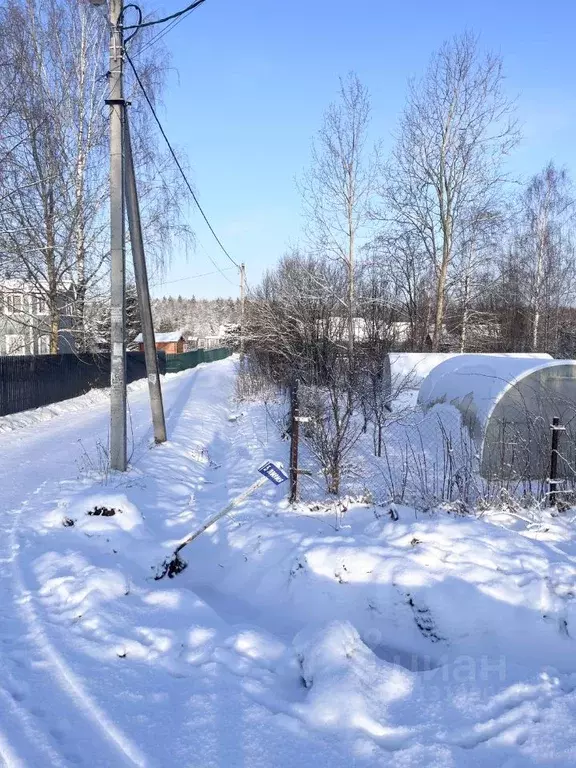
(8, 756)
(80, 725)
(14, 692)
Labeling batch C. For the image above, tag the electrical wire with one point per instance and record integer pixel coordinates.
(179, 166)
(137, 27)
(159, 35)
(189, 277)
(220, 270)
(176, 15)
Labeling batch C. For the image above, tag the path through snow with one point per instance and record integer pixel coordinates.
(48, 718)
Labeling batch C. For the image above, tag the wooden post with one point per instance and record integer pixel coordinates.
(294, 426)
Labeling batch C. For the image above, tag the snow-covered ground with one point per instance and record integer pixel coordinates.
(293, 638)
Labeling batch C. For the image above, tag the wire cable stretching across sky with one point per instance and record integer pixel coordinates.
(172, 16)
(159, 35)
(175, 158)
(190, 277)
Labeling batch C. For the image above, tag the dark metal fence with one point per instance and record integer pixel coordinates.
(35, 380)
(175, 363)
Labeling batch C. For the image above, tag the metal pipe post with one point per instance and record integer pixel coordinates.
(553, 480)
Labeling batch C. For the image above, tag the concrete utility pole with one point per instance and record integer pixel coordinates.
(242, 303)
(117, 246)
(141, 275)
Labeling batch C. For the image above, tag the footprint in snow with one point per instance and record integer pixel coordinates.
(57, 734)
(19, 694)
(18, 659)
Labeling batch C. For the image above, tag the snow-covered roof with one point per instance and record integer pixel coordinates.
(162, 338)
(479, 381)
(336, 328)
(416, 366)
(27, 285)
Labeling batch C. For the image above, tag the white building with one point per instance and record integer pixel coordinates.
(336, 328)
(25, 320)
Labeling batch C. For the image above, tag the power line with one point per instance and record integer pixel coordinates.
(220, 270)
(152, 23)
(175, 158)
(159, 35)
(190, 277)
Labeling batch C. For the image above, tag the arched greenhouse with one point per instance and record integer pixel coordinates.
(508, 404)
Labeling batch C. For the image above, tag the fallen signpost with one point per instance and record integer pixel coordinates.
(173, 565)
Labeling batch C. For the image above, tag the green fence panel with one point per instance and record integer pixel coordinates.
(176, 363)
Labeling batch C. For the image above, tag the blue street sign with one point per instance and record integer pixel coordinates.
(273, 472)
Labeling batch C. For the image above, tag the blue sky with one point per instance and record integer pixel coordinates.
(250, 81)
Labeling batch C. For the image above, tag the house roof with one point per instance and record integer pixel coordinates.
(29, 284)
(162, 338)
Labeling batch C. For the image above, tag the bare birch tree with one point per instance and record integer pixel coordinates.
(546, 243)
(458, 126)
(338, 187)
(54, 182)
(399, 253)
(473, 274)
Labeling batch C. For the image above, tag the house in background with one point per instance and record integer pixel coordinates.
(335, 328)
(172, 343)
(228, 333)
(448, 341)
(404, 336)
(210, 342)
(25, 320)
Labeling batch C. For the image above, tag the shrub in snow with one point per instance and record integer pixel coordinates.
(103, 513)
(98, 511)
(333, 430)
